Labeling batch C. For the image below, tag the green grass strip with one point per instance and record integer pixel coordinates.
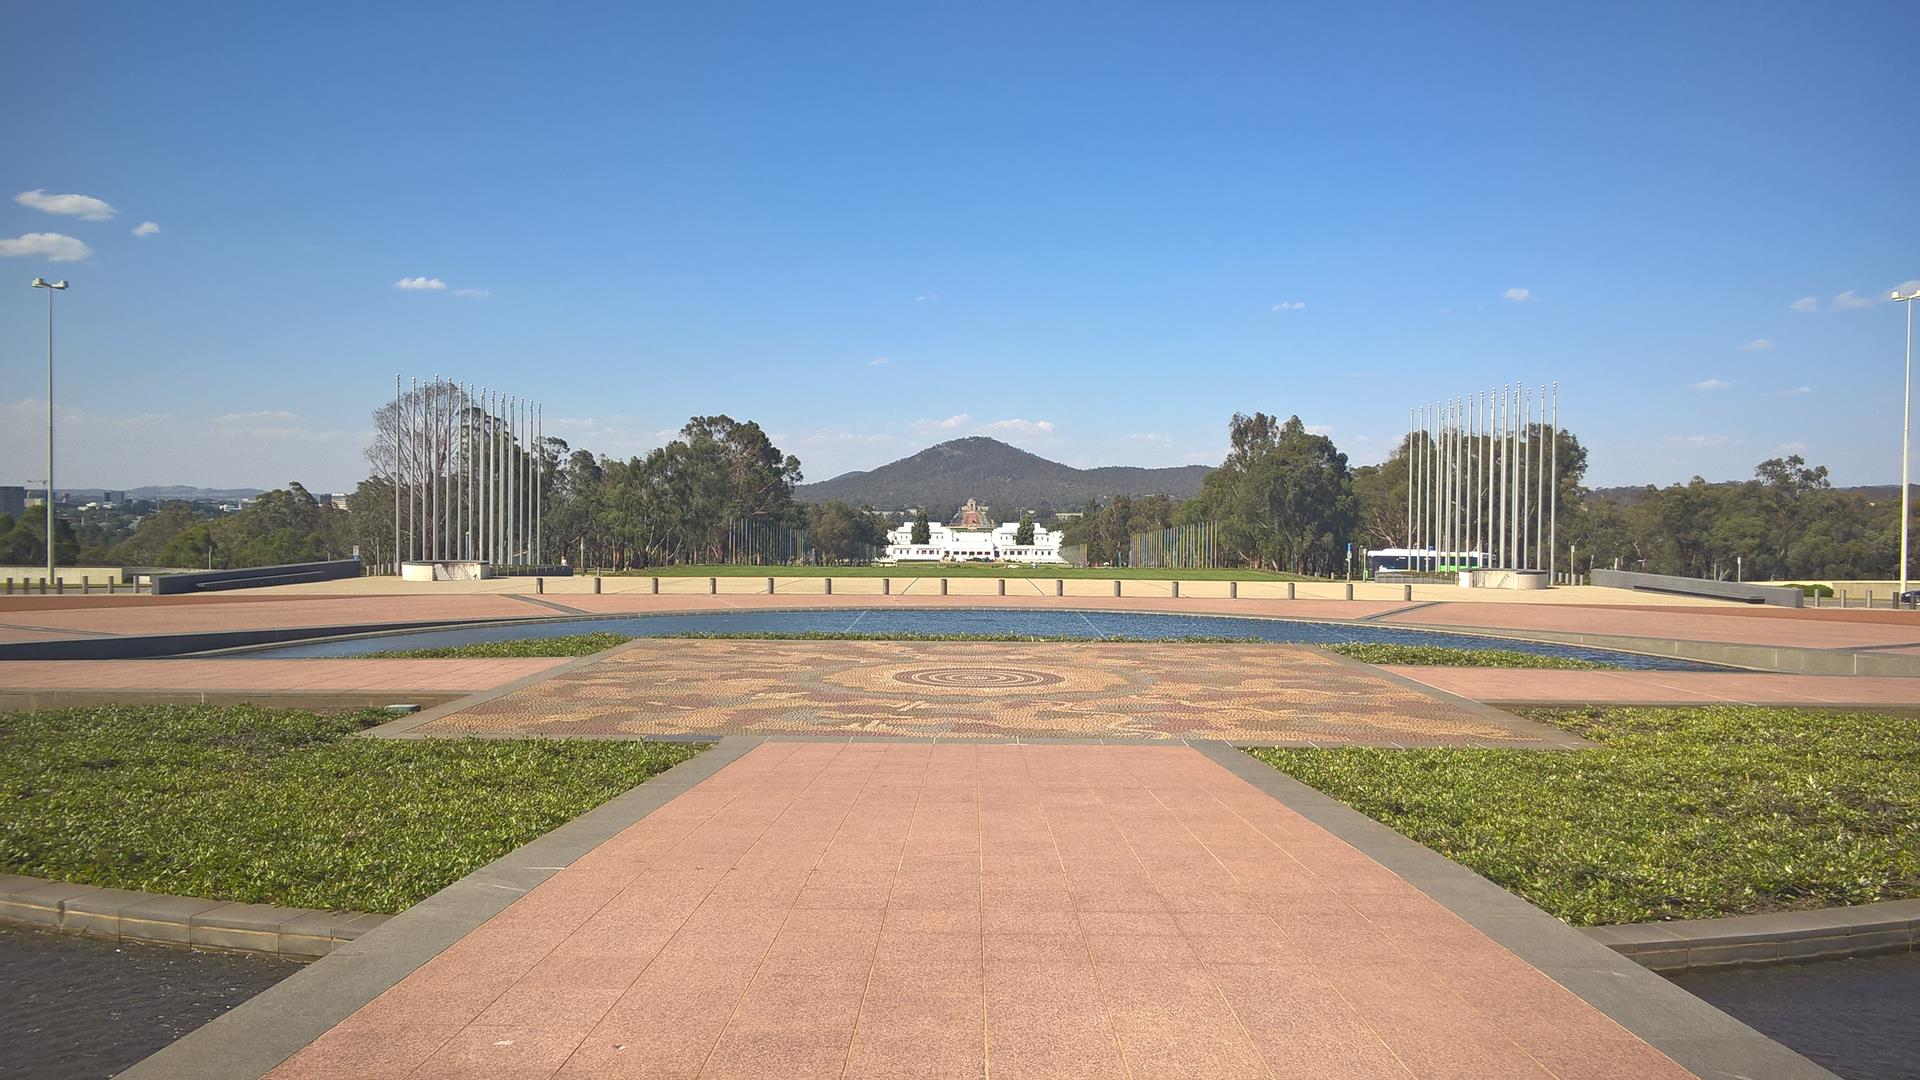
(1678, 814)
(1453, 656)
(285, 807)
(566, 645)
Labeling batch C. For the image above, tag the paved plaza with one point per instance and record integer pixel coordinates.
(961, 859)
(896, 910)
(1247, 694)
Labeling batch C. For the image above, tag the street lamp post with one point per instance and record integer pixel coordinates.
(53, 287)
(1906, 434)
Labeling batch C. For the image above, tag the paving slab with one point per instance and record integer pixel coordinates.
(1548, 687)
(913, 909)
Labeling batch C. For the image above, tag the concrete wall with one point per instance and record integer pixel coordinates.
(255, 576)
(1720, 590)
(98, 575)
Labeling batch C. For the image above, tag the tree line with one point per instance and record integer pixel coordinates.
(1284, 498)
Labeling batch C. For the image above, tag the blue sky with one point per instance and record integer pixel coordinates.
(1093, 230)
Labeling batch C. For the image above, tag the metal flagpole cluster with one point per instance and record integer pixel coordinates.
(1483, 481)
(468, 474)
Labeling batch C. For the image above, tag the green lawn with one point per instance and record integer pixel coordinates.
(565, 645)
(956, 570)
(1678, 814)
(1449, 656)
(284, 807)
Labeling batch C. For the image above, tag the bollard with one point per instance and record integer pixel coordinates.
(656, 585)
(1003, 586)
(886, 586)
(829, 582)
(713, 586)
(1176, 590)
(1116, 587)
(1843, 598)
(1816, 598)
(1869, 599)
(1289, 590)
(60, 586)
(1233, 590)
(1349, 590)
(1406, 592)
(1059, 586)
(86, 585)
(9, 586)
(596, 584)
(539, 585)
(113, 586)
(769, 586)
(943, 586)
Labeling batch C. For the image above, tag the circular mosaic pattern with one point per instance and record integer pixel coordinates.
(976, 678)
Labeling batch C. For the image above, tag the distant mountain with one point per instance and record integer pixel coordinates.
(1005, 478)
(168, 492)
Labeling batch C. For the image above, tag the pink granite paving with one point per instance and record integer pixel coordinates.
(271, 675)
(1798, 629)
(1665, 687)
(907, 910)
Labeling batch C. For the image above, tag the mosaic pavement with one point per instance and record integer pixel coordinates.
(1250, 694)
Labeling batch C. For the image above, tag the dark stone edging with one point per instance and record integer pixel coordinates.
(125, 915)
(254, 1038)
(1693, 1033)
(1773, 938)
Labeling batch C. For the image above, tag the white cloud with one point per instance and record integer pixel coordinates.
(1290, 305)
(146, 228)
(926, 296)
(420, 284)
(830, 436)
(1701, 440)
(1756, 345)
(1846, 301)
(51, 246)
(254, 417)
(1801, 390)
(1790, 448)
(1154, 437)
(471, 294)
(879, 361)
(1710, 384)
(1029, 427)
(84, 207)
(1518, 295)
(1320, 429)
(951, 423)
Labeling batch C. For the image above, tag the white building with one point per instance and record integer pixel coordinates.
(948, 544)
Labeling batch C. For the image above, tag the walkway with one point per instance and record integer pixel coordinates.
(466, 676)
(897, 910)
(1526, 686)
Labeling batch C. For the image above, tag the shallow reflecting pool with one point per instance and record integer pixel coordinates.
(1860, 1018)
(1090, 624)
(74, 1007)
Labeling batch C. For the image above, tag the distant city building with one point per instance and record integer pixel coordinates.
(961, 543)
(13, 501)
